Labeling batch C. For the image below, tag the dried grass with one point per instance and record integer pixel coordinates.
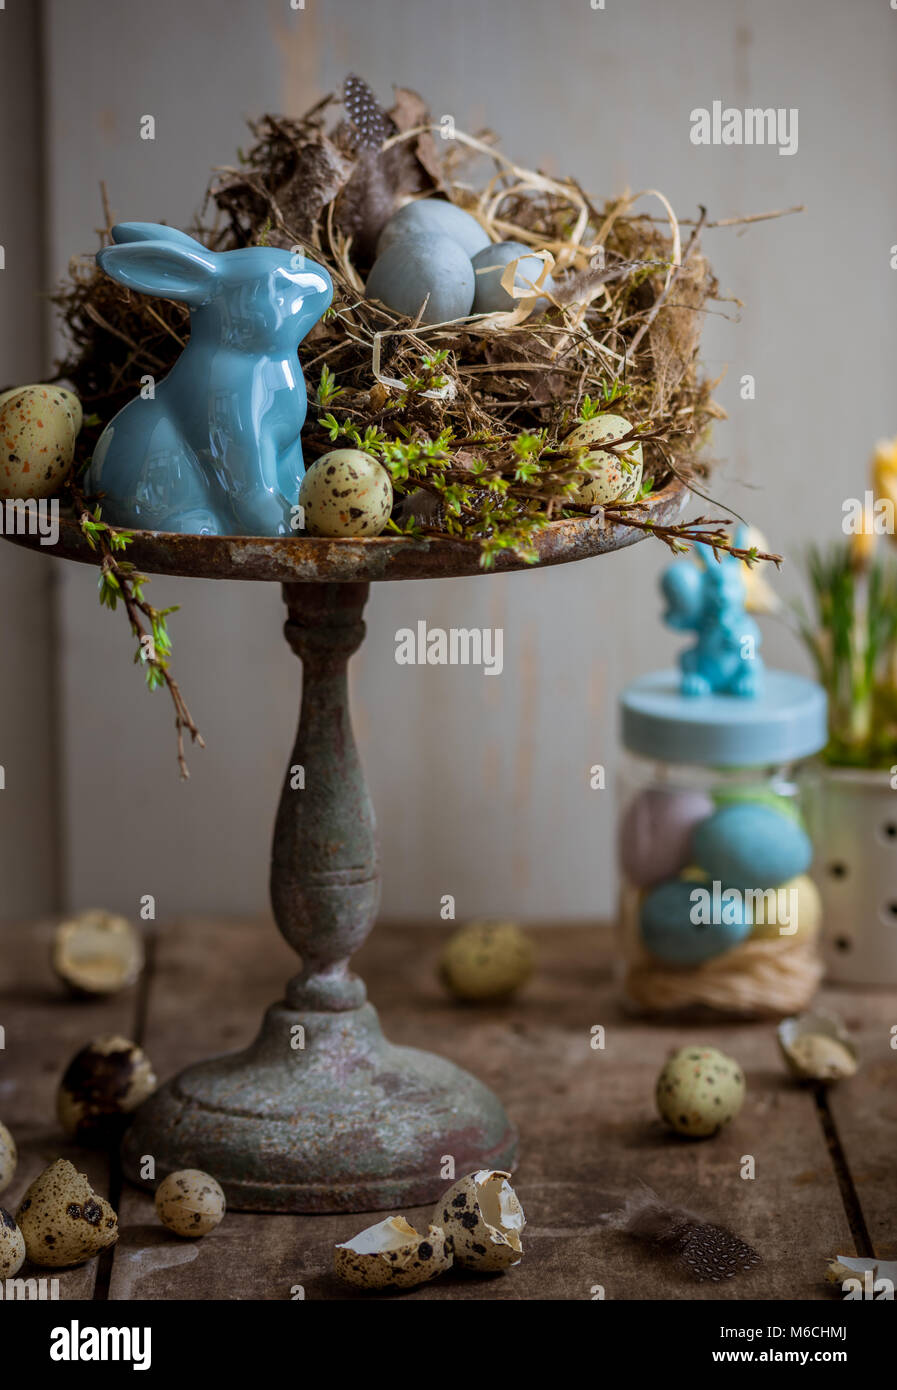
(622, 330)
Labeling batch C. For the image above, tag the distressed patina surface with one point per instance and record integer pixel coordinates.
(321, 1113)
(362, 559)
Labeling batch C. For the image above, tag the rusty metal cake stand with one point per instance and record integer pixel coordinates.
(321, 1113)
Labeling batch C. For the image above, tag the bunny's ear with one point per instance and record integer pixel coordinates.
(164, 268)
(124, 232)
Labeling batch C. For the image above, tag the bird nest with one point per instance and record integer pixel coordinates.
(470, 415)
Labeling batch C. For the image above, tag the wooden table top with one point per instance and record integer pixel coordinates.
(824, 1163)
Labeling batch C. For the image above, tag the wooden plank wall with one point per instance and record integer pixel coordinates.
(480, 784)
(29, 838)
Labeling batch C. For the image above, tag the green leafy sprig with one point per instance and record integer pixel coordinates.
(851, 636)
(120, 581)
(502, 491)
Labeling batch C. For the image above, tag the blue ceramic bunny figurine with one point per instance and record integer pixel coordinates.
(710, 601)
(216, 448)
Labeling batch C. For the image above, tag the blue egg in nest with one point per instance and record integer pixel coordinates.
(489, 266)
(427, 270)
(434, 217)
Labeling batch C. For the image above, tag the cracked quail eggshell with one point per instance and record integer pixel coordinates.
(617, 479)
(483, 1221)
(100, 1088)
(12, 1245)
(428, 274)
(346, 493)
(817, 1047)
(97, 952)
(64, 1222)
(699, 1091)
(486, 960)
(38, 428)
(190, 1202)
(8, 1158)
(434, 216)
(392, 1254)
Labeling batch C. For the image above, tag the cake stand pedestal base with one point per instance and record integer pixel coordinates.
(321, 1113)
(345, 1122)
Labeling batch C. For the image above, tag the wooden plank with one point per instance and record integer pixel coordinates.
(586, 1118)
(864, 1110)
(44, 1028)
(211, 983)
(590, 1133)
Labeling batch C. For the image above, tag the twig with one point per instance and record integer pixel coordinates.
(692, 532)
(127, 583)
(733, 221)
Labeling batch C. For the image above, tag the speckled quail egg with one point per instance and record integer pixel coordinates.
(699, 1091)
(12, 1246)
(483, 1221)
(792, 912)
(38, 428)
(618, 477)
(434, 216)
(430, 275)
(486, 960)
(68, 398)
(346, 493)
(63, 1220)
(97, 952)
(190, 1202)
(8, 1158)
(102, 1085)
(392, 1254)
(490, 264)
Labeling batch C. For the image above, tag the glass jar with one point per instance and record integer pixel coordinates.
(718, 910)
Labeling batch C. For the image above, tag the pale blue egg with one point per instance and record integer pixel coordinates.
(685, 923)
(750, 845)
(656, 833)
(410, 270)
(489, 266)
(434, 217)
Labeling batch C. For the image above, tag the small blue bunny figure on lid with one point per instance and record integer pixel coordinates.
(709, 599)
(216, 449)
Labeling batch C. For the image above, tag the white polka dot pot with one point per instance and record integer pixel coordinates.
(856, 869)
